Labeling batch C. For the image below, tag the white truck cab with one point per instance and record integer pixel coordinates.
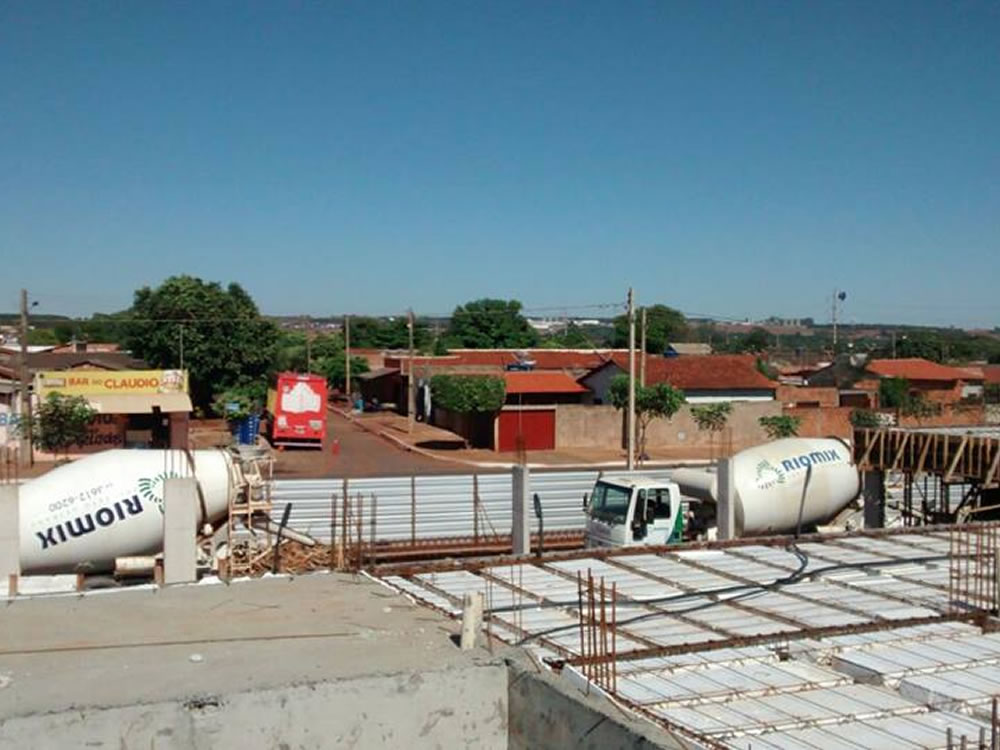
(629, 510)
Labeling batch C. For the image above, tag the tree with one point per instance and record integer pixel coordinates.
(757, 340)
(659, 401)
(712, 417)
(42, 337)
(376, 333)
(490, 324)
(62, 421)
(893, 393)
(572, 337)
(780, 426)
(226, 342)
(663, 325)
(468, 393)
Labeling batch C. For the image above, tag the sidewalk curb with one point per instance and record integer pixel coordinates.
(676, 463)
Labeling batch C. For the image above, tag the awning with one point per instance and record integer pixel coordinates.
(140, 403)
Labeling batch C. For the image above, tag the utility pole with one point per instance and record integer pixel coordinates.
(642, 349)
(630, 419)
(411, 403)
(181, 336)
(347, 358)
(309, 357)
(894, 343)
(833, 317)
(27, 450)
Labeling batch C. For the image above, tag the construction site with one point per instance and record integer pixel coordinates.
(472, 611)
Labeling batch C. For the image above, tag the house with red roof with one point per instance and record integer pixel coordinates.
(858, 379)
(703, 378)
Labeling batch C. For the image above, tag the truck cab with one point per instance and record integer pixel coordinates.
(625, 511)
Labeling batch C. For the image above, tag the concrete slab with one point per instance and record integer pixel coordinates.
(124, 648)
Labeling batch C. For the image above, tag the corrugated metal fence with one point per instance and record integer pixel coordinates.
(433, 507)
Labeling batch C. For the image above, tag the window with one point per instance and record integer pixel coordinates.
(660, 497)
(609, 503)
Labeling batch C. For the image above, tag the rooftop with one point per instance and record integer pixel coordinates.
(855, 641)
(704, 372)
(541, 382)
(915, 368)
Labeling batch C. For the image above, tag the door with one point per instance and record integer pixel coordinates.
(536, 426)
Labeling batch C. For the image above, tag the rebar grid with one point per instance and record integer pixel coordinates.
(973, 574)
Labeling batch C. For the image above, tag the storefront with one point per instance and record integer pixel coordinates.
(135, 408)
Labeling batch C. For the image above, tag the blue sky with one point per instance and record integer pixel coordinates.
(732, 158)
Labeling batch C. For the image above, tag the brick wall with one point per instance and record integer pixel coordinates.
(793, 395)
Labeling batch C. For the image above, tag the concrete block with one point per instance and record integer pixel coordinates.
(10, 537)
(180, 521)
(521, 531)
(726, 500)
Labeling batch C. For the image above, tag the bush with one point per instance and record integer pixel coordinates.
(468, 393)
(780, 426)
(866, 418)
(62, 421)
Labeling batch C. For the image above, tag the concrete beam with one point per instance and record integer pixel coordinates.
(10, 537)
(180, 522)
(521, 530)
(725, 501)
(873, 489)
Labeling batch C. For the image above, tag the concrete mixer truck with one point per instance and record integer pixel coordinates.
(779, 486)
(110, 505)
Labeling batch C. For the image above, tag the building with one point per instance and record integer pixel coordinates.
(135, 408)
(858, 378)
(703, 378)
(528, 418)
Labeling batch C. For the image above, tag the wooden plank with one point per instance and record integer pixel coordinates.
(928, 440)
(989, 480)
(948, 475)
(898, 460)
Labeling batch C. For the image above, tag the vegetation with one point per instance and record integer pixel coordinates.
(323, 354)
(226, 343)
(866, 418)
(392, 333)
(663, 325)
(468, 393)
(489, 324)
(712, 417)
(893, 393)
(780, 426)
(660, 401)
(61, 421)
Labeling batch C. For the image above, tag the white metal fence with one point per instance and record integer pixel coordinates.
(432, 507)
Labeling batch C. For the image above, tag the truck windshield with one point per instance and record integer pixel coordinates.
(609, 503)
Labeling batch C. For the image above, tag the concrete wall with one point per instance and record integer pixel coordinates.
(477, 429)
(824, 422)
(602, 427)
(547, 711)
(793, 395)
(456, 708)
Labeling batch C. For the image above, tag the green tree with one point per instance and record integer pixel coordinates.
(226, 342)
(713, 418)
(893, 393)
(663, 325)
(780, 426)
(62, 421)
(42, 337)
(572, 337)
(377, 333)
(659, 401)
(490, 324)
(468, 393)
(757, 340)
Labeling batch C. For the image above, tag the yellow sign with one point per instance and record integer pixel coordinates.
(124, 382)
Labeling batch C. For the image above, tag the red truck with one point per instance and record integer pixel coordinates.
(297, 410)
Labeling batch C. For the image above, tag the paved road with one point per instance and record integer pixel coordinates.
(362, 454)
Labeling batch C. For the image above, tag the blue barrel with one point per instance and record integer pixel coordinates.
(249, 428)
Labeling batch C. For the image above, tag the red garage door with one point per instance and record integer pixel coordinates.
(537, 426)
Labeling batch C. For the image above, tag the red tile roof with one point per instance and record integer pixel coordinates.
(915, 368)
(541, 382)
(710, 372)
(991, 373)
